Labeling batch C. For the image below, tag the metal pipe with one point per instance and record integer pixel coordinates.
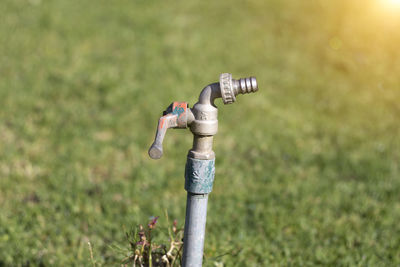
(195, 227)
(199, 178)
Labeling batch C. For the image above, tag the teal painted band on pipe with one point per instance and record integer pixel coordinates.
(199, 175)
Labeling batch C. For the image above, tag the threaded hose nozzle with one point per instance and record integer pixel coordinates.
(230, 88)
(247, 85)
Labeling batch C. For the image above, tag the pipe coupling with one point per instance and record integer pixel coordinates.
(199, 175)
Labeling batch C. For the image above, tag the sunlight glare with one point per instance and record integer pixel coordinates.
(392, 3)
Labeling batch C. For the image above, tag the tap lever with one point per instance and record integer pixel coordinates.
(175, 116)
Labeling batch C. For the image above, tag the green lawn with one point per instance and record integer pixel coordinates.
(307, 169)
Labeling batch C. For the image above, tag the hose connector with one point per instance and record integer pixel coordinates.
(230, 88)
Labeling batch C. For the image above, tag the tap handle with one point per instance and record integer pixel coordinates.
(165, 122)
(174, 117)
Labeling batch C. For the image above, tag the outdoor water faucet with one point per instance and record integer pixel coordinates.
(200, 164)
(202, 118)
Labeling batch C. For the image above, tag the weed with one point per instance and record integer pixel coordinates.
(145, 251)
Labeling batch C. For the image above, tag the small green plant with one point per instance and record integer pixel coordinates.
(145, 251)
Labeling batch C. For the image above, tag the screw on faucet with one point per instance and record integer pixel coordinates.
(230, 88)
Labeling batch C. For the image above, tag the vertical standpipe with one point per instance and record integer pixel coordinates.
(200, 164)
(195, 228)
(199, 179)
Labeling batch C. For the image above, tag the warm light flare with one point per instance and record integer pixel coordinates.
(392, 3)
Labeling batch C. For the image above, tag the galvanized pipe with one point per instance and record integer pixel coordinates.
(199, 177)
(195, 226)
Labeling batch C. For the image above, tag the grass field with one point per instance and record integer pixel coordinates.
(307, 170)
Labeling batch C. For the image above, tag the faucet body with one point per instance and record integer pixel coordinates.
(200, 165)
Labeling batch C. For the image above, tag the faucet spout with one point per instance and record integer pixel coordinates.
(209, 94)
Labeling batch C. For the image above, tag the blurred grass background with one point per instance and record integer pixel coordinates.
(307, 170)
